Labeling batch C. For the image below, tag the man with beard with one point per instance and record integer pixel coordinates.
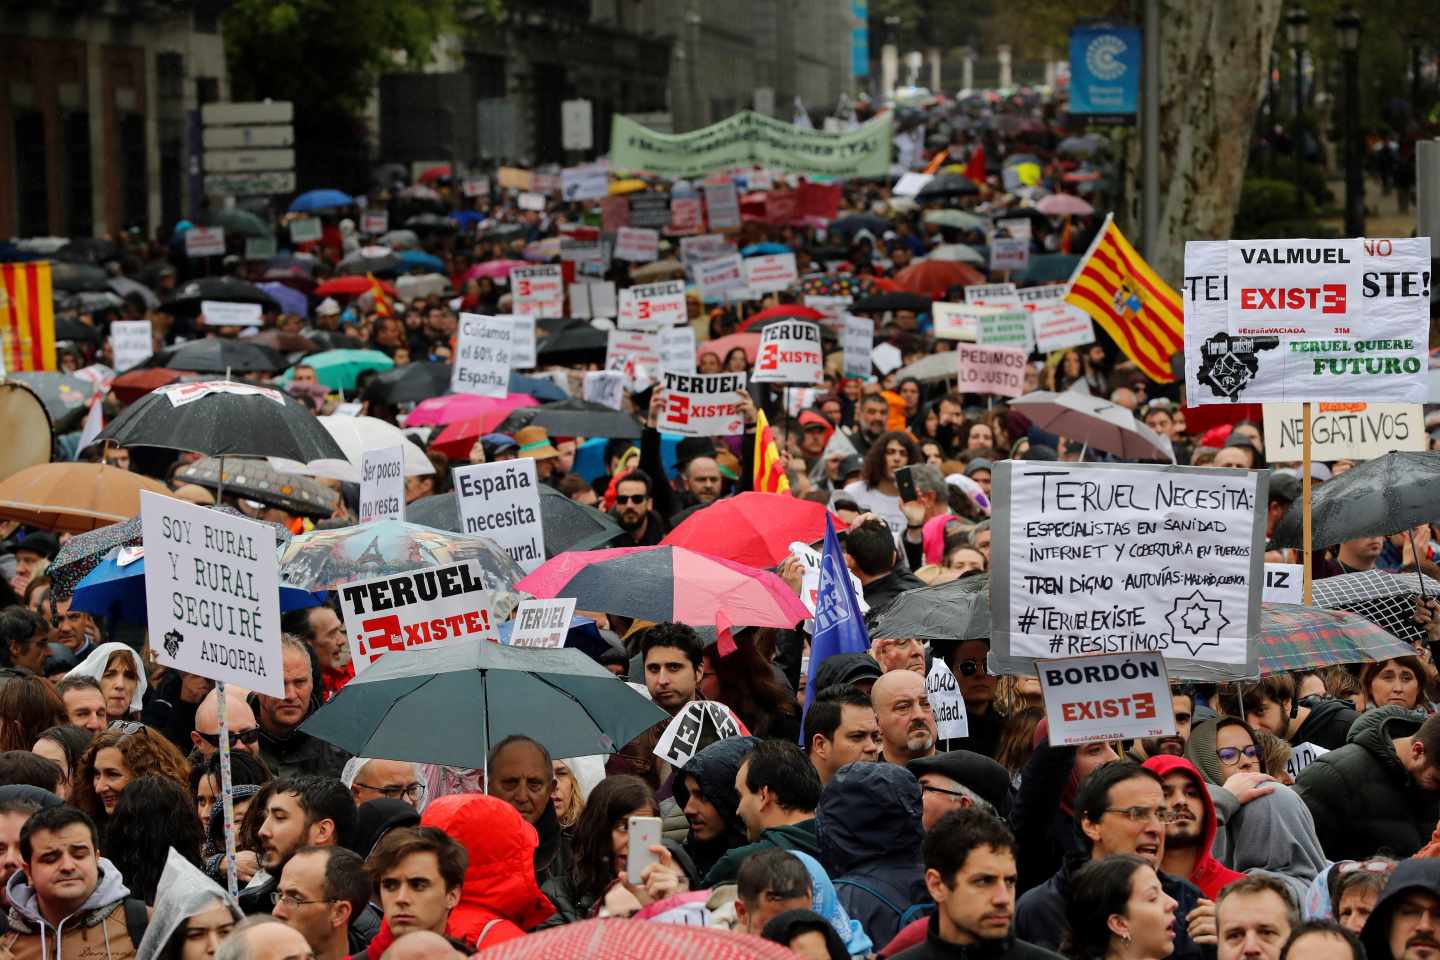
(705, 791)
(1191, 832)
(778, 792)
(285, 749)
(1406, 921)
(673, 658)
(907, 724)
(633, 510)
(1182, 701)
(1273, 705)
(299, 812)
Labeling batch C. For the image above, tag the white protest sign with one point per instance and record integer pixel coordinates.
(706, 246)
(1302, 756)
(834, 308)
(994, 370)
(540, 308)
(699, 724)
(1128, 558)
(305, 229)
(957, 321)
(382, 484)
(951, 720)
(687, 216)
(212, 593)
(677, 349)
(1058, 325)
(637, 244)
(222, 313)
(911, 183)
(769, 273)
(580, 301)
(482, 355)
(1354, 431)
(542, 623)
(132, 342)
(722, 206)
(1284, 583)
(857, 339)
(475, 186)
(522, 342)
(790, 353)
(649, 306)
(591, 182)
(635, 354)
(810, 557)
(434, 607)
(545, 284)
(502, 501)
(886, 357)
(205, 242)
(1377, 352)
(1018, 227)
(602, 299)
(351, 409)
(992, 294)
(1106, 697)
(531, 201)
(720, 276)
(1006, 254)
(1007, 328)
(1303, 287)
(605, 386)
(702, 406)
(375, 222)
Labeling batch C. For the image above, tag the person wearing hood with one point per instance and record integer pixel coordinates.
(378, 817)
(858, 669)
(1190, 835)
(869, 827)
(285, 749)
(192, 914)
(69, 901)
(121, 675)
(705, 791)
(1379, 791)
(1405, 924)
(1275, 833)
(826, 902)
(1273, 706)
(777, 790)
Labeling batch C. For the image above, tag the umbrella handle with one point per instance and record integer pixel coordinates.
(1418, 575)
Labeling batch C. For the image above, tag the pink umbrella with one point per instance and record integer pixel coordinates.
(438, 411)
(494, 269)
(1064, 204)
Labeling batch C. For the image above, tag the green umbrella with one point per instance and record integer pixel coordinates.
(337, 369)
(1050, 268)
(449, 705)
(237, 222)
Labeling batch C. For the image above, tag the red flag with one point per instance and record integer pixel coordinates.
(975, 169)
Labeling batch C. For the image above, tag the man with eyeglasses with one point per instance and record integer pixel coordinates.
(320, 890)
(1405, 924)
(370, 779)
(239, 718)
(1119, 808)
(961, 780)
(298, 812)
(633, 510)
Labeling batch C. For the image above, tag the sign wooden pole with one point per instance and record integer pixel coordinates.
(1305, 502)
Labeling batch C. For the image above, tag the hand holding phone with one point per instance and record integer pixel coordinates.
(905, 483)
(644, 834)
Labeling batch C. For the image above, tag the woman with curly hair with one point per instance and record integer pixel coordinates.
(875, 491)
(154, 813)
(125, 752)
(28, 706)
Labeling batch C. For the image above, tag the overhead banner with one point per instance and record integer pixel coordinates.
(1354, 431)
(995, 370)
(1107, 697)
(482, 356)
(790, 353)
(433, 607)
(1306, 339)
(502, 501)
(748, 139)
(1127, 558)
(703, 406)
(651, 306)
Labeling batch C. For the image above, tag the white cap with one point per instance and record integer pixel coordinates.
(327, 306)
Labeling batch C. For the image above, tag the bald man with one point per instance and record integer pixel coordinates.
(421, 945)
(907, 725)
(244, 732)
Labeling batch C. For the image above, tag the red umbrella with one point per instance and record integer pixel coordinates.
(784, 311)
(753, 528)
(637, 940)
(134, 384)
(934, 277)
(351, 286)
(435, 173)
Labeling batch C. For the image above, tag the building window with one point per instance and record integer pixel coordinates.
(77, 184)
(31, 174)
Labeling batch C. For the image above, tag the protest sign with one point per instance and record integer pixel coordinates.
(433, 607)
(834, 308)
(722, 206)
(375, 222)
(1008, 254)
(995, 370)
(482, 355)
(382, 484)
(1127, 558)
(522, 341)
(702, 406)
(1018, 227)
(886, 357)
(351, 409)
(205, 242)
(222, 313)
(602, 299)
(911, 183)
(538, 284)
(542, 623)
(1301, 287)
(614, 213)
(636, 354)
(677, 349)
(604, 386)
(545, 182)
(531, 201)
(590, 182)
(1106, 697)
(769, 273)
(637, 244)
(1284, 583)
(720, 276)
(992, 294)
(790, 353)
(686, 216)
(1059, 326)
(857, 340)
(513, 178)
(1376, 349)
(502, 501)
(212, 592)
(650, 306)
(957, 321)
(305, 229)
(1302, 756)
(540, 308)
(132, 342)
(946, 703)
(1007, 328)
(810, 558)
(707, 246)
(649, 210)
(580, 301)
(1354, 431)
(260, 248)
(475, 186)
(582, 249)
(694, 728)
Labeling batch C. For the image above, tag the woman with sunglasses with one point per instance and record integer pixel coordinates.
(126, 751)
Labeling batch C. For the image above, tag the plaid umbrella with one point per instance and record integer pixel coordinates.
(1292, 637)
(1387, 599)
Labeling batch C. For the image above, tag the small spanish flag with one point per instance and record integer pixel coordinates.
(382, 302)
(769, 475)
(27, 317)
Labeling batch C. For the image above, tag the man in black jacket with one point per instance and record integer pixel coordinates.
(870, 548)
(1271, 705)
(284, 748)
(523, 775)
(1405, 924)
(633, 510)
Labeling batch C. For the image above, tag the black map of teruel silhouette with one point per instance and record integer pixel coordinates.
(1228, 364)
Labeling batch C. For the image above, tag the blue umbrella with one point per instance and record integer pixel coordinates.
(290, 299)
(419, 258)
(467, 217)
(762, 249)
(320, 200)
(543, 390)
(113, 590)
(582, 634)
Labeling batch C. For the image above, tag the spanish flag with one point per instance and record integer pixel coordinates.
(27, 317)
(1139, 310)
(382, 302)
(769, 476)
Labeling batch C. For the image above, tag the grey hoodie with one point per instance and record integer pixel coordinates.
(25, 919)
(1276, 834)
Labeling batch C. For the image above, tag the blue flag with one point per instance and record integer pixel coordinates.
(839, 626)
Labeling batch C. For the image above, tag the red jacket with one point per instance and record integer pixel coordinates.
(1210, 875)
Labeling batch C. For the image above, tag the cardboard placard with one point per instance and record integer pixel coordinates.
(375, 222)
(222, 313)
(720, 276)
(212, 593)
(772, 272)
(722, 206)
(522, 341)
(1059, 326)
(382, 484)
(1284, 583)
(687, 216)
(699, 724)
(544, 284)
(946, 703)
(605, 386)
(1007, 328)
(1106, 697)
(305, 229)
(603, 302)
(886, 357)
(582, 250)
(857, 339)
(1302, 756)
(834, 308)
(652, 306)
(529, 200)
(502, 501)
(1009, 255)
(702, 406)
(994, 370)
(1304, 287)
(205, 242)
(590, 182)
(637, 244)
(992, 294)
(677, 349)
(513, 178)
(434, 607)
(634, 353)
(474, 187)
(132, 342)
(542, 623)
(707, 246)
(1354, 431)
(649, 210)
(482, 356)
(957, 321)
(790, 353)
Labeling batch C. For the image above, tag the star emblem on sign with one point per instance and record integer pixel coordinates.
(1196, 621)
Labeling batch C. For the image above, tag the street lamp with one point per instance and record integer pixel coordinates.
(1347, 29)
(1297, 31)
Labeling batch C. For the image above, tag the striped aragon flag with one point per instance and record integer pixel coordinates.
(769, 475)
(27, 317)
(382, 302)
(1119, 291)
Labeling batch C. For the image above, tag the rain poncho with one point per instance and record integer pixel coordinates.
(93, 666)
(587, 771)
(852, 934)
(184, 892)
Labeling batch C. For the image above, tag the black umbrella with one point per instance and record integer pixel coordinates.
(217, 355)
(568, 525)
(954, 611)
(221, 418)
(1389, 494)
(77, 277)
(501, 231)
(88, 250)
(860, 221)
(66, 398)
(430, 222)
(898, 300)
(947, 185)
(576, 343)
(574, 418)
(408, 384)
(229, 289)
(330, 340)
(257, 480)
(356, 265)
(72, 329)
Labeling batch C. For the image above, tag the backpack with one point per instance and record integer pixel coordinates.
(137, 919)
(907, 916)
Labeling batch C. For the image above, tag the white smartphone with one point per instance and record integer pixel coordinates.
(644, 834)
